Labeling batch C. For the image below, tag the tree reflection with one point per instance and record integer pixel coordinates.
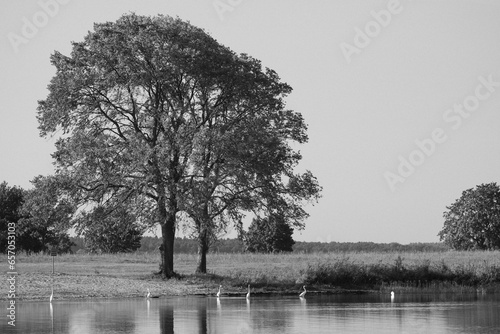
(202, 317)
(431, 313)
(166, 319)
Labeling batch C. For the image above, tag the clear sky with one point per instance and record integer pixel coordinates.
(402, 98)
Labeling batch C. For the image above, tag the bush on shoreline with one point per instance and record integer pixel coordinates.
(346, 272)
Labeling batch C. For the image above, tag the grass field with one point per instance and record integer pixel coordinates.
(129, 275)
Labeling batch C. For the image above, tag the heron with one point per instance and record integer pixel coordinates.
(149, 295)
(303, 293)
(51, 296)
(218, 292)
(248, 293)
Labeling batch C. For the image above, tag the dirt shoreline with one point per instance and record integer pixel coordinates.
(38, 286)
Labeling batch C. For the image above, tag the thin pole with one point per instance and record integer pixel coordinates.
(52, 286)
(52, 253)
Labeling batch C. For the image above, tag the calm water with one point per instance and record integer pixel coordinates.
(316, 314)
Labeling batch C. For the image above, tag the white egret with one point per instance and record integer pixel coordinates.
(392, 294)
(149, 295)
(218, 292)
(303, 293)
(51, 296)
(248, 293)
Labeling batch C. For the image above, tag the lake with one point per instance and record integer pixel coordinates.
(372, 313)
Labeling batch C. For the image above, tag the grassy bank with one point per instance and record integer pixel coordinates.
(419, 271)
(129, 275)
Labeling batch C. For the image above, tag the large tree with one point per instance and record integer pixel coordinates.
(154, 109)
(473, 221)
(247, 168)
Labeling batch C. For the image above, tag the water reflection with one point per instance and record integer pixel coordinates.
(443, 313)
(166, 319)
(202, 316)
(52, 317)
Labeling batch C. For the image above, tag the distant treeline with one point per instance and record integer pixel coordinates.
(339, 247)
(189, 246)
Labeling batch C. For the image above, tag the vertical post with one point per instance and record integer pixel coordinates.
(53, 253)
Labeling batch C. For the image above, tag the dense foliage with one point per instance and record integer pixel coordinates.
(158, 114)
(425, 273)
(11, 199)
(110, 232)
(46, 217)
(34, 213)
(269, 235)
(473, 221)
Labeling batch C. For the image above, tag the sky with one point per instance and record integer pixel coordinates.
(401, 98)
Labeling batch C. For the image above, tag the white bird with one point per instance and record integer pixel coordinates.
(149, 295)
(51, 296)
(218, 292)
(248, 293)
(392, 294)
(303, 293)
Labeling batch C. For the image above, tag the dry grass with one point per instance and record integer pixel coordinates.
(128, 275)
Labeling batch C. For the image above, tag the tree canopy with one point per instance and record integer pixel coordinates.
(37, 216)
(473, 221)
(110, 232)
(269, 235)
(157, 114)
(11, 200)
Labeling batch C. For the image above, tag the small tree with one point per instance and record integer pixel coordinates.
(110, 230)
(269, 235)
(473, 221)
(46, 216)
(11, 199)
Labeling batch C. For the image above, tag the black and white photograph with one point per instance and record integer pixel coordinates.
(235, 166)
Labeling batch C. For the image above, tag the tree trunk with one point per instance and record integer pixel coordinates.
(167, 217)
(168, 235)
(202, 252)
(167, 210)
